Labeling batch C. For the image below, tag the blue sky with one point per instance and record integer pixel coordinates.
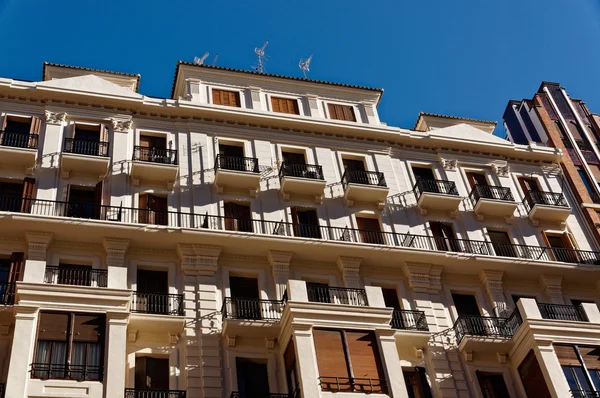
(463, 57)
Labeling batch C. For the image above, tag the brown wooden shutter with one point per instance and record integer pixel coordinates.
(88, 328)
(143, 206)
(229, 220)
(145, 141)
(103, 133)
(349, 113)
(98, 200)
(528, 184)
(275, 104)
(216, 94)
(289, 357)
(566, 355)
(591, 357)
(285, 105)
(53, 326)
(140, 372)
(17, 261)
(35, 126)
(3, 121)
(331, 358)
(533, 378)
(28, 188)
(234, 98)
(331, 109)
(365, 359)
(476, 179)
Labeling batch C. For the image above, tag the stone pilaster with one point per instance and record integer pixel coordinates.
(117, 346)
(37, 247)
(492, 280)
(349, 267)
(116, 249)
(22, 349)
(552, 286)
(199, 264)
(255, 97)
(280, 266)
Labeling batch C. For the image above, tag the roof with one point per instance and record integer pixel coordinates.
(301, 79)
(467, 119)
(136, 75)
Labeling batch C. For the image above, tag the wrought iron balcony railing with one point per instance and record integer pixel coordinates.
(352, 384)
(337, 295)
(155, 155)
(252, 309)
(562, 312)
(533, 198)
(66, 371)
(7, 293)
(585, 394)
(77, 276)
(157, 303)
(86, 147)
(362, 177)
(490, 192)
(409, 320)
(434, 186)
(19, 140)
(310, 171)
(151, 393)
(236, 163)
(481, 326)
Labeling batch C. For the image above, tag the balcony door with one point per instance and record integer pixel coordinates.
(252, 378)
(81, 202)
(444, 237)
(502, 243)
(87, 138)
(4, 279)
(416, 382)
(153, 149)
(152, 373)
(355, 171)
(423, 173)
(152, 292)
(293, 158)
(294, 165)
(245, 296)
(153, 210)
(476, 179)
(390, 298)
(17, 130)
(11, 199)
(492, 385)
(306, 223)
(318, 292)
(561, 248)
(232, 157)
(467, 307)
(237, 217)
(369, 230)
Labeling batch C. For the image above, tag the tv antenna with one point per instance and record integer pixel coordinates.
(214, 63)
(260, 53)
(200, 60)
(304, 65)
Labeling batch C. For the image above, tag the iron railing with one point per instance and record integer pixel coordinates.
(434, 186)
(352, 384)
(490, 192)
(533, 198)
(562, 312)
(19, 140)
(252, 309)
(409, 320)
(362, 177)
(585, 394)
(336, 295)
(236, 394)
(7, 293)
(236, 163)
(311, 171)
(151, 393)
(66, 371)
(77, 276)
(86, 147)
(481, 326)
(157, 303)
(155, 155)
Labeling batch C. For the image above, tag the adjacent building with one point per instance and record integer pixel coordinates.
(259, 235)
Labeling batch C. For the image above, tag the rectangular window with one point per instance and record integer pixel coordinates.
(492, 385)
(416, 382)
(369, 230)
(152, 373)
(285, 105)
(306, 223)
(349, 361)
(476, 179)
(529, 184)
(224, 97)
(341, 112)
(289, 358)
(69, 346)
(390, 298)
(502, 243)
(466, 304)
(238, 217)
(153, 210)
(423, 173)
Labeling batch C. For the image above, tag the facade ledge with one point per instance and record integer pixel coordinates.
(246, 182)
(96, 166)
(156, 172)
(295, 187)
(164, 325)
(23, 158)
(416, 338)
(251, 328)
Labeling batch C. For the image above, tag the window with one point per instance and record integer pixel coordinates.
(476, 179)
(341, 112)
(532, 377)
(502, 243)
(466, 304)
(152, 373)
(11, 271)
(588, 184)
(224, 97)
(252, 377)
(561, 247)
(88, 140)
(423, 173)
(238, 217)
(231, 157)
(151, 141)
(353, 164)
(285, 105)
(84, 202)
(306, 223)
(152, 293)
(153, 148)
(293, 157)
(444, 237)
(289, 358)
(528, 184)
(416, 382)
(153, 210)
(390, 298)
(575, 370)
(369, 230)
(349, 361)
(492, 385)
(15, 124)
(69, 346)
(17, 197)
(21, 132)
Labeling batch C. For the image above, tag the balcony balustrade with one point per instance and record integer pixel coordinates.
(237, 174)
(481, 326)
(362, 186)
(252, 309)
(236, 394)
(439, 195)
(493, 201)
(155, 155)
(151, 393)
(562, 312)
(86, 147)
(19, 140)
(546, 206)
(409, 320)
(309, 171)
(352, 384)
(7, 293)
(155, 164)
(301, 180)
(68, 371)
(337, 295)
(76, 276)
(157, 303)
(585, 394)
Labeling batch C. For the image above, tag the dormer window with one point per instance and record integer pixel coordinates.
(341, 112)
(227, 98)
(285, 105)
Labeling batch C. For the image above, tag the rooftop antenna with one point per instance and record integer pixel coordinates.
(200, 61)
(260, 53)
(304, 65)
(214, 63)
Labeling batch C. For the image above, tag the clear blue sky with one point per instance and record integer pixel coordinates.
(462, 57)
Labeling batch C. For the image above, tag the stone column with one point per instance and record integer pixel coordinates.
(115, 262)
(119, 181)
(349, 267)
(552, 286)
(280, 266)
(22, 351)
(306, 361)
(35, 265)
(51, 149)
(202, 334)
(492, 281)
(391, 363)
(553, 374)
(116, 356)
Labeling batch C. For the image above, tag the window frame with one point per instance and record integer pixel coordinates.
(353, 107)
(240, 94)
(296, 100)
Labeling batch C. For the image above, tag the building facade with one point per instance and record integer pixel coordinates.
(263, 236)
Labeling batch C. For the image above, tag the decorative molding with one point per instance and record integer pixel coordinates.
(501, 169)
(280, 267)
(468, 355)
(173, 338)
(122, 125)
(132, 336)
(38, 243)
(449, 164)
(502, 357)
(75, 244)
(552, 286)
(270, 343)
(350, 267)
(419, 353)
(199, 259)
(55, 117)
(230, 341)
(423, 278)
(115, 251)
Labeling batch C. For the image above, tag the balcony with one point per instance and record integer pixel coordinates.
(474, 333)
(562, 312)
(436, 195)
(237, 175)
(240, 313)
(302, 180)
(157, 303)
(154, 164)
(161, 313)
(546, 207)
(7, 293)
(364, 187)
(85, 157)
(409, 320)
(353, 384)
(491, 201)
(337, 295)
(147, 393)
(76, 276)
(18, 149)
(66, 371)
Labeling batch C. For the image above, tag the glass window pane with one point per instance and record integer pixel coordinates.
(570, 376)
(583, 381)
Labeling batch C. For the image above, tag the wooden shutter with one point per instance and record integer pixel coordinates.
(53, 326)
(28, 188)
(275, 104)
(143, 209)
(349, 113)
(331, 359)
(98, 200)
(566, 355)
(17, 261)
(229, 220)
(476, 179)
(289, 357)
(103, 133)
(224, 97)
(35, 126)
(364, 359)
(145, 141)
(533, 378)
(591, 357)
(341, 112)
(3, 121)
(88, 328)
(285, 105)
(528, 184)
(140, 372)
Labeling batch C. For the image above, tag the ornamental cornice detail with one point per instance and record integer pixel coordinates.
(115, 251)
(122, 125)
(199, 259)
(55, 117)
(423, 278)
(502, 170)
(38, 243)
(449, 164)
